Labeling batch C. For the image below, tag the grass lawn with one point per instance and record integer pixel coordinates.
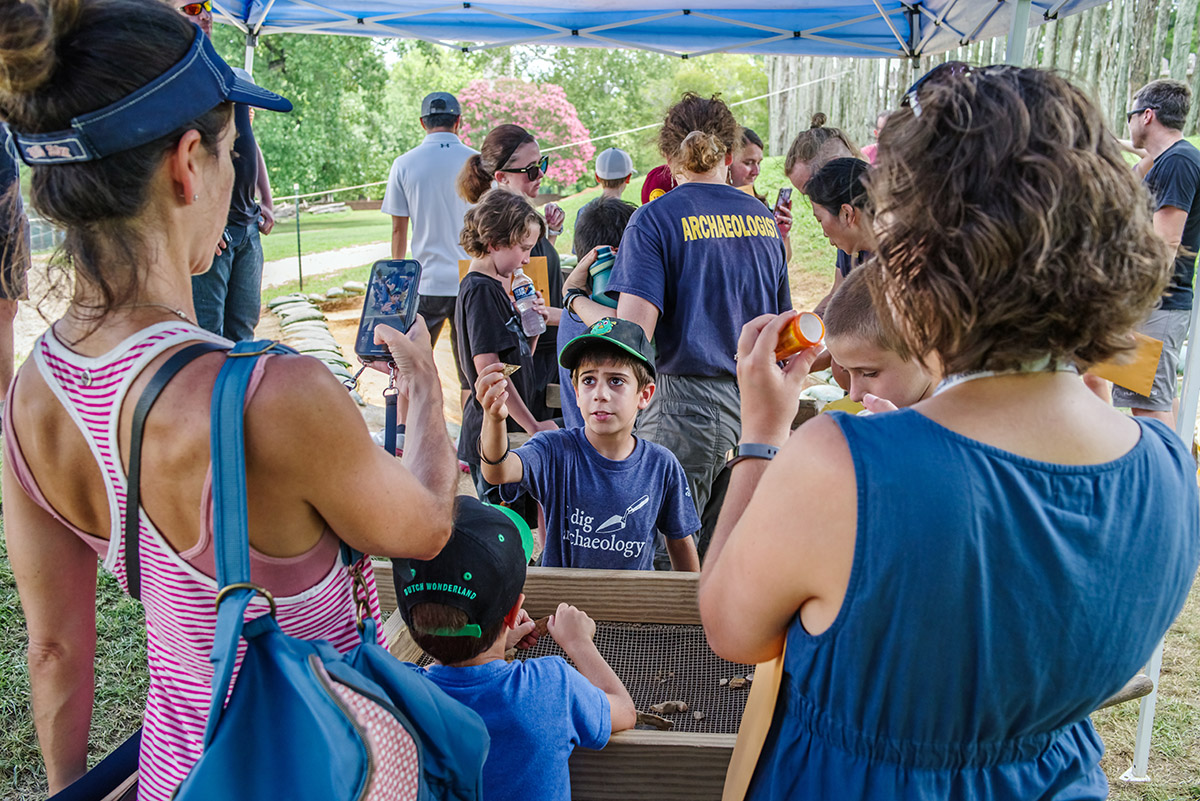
(321, 232)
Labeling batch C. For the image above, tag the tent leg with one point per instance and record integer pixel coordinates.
(1185, 426)
(1141, 748)
(251, 43)
(1018, 32)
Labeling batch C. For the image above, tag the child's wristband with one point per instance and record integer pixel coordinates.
(484, 459)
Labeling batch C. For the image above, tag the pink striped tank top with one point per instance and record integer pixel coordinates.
(178, 597)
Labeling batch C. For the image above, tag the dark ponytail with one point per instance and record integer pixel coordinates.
(497, 149)
(839, 182)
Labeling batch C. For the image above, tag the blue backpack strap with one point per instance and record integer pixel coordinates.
(231, 543)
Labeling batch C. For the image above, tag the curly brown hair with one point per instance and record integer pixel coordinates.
(697, 132)
(500, 219)
(1009, 226)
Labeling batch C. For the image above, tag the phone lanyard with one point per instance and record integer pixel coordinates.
(390, 393)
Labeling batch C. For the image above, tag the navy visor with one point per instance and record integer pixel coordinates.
(199, 82)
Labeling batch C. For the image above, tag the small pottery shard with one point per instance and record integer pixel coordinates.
(669, 707)
(662, 724)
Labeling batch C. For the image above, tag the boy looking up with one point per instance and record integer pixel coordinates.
(859, 345)
(605, 492)
(463, 607)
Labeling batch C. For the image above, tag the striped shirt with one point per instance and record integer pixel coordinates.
(179, 599)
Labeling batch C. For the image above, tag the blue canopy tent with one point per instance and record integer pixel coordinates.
(868, 28)
(843, 28)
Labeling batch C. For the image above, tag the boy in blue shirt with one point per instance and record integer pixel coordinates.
(605, 492)
(463, 607)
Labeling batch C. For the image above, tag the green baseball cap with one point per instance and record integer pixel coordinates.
(625, 335)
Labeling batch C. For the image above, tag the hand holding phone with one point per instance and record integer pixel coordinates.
(784, 198)
(391, 301)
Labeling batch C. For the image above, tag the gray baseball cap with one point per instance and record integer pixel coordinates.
(614, 163)
(440, 103)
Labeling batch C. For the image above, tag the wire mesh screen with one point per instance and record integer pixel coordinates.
(659, 663)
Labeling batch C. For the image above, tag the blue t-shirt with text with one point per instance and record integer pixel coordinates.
(536, 712)
(602, 513)
(710, 258)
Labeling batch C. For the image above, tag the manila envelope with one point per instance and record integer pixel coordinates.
(537, 271)
(1136, 374)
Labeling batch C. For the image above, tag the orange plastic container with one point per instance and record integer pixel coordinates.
(805, 330)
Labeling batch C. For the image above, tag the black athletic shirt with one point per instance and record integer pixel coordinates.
(1174, 180)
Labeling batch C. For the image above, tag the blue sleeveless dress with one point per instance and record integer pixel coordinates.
(994, 601)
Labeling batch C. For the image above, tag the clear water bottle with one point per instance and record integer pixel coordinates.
(524, 295)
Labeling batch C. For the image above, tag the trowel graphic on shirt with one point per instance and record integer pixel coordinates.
(617, 522)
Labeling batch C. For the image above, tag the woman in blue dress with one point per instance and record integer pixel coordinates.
(993, 562)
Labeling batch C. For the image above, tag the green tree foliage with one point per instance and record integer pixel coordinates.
(335, 136)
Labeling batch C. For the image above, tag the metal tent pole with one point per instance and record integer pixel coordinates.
(1018, 32)
(251, 43)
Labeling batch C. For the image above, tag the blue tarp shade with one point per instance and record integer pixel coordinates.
(870, 28)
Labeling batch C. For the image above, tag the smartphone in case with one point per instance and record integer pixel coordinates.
(391, 299)
(784, 197)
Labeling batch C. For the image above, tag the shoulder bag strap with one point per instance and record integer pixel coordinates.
(133, 570)
(231, 536)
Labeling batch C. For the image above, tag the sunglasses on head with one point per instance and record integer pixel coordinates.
(944, 72)
(533, 171)
(196, 9)
(1129, 114)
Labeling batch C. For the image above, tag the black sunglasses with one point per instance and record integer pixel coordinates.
(533, 171)
(1129, 114)
(944, 72)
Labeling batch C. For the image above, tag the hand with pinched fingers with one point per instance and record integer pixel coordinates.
(570, 626)
(770, 395)
(524, 635)
(491, 390)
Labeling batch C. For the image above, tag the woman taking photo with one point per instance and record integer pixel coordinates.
(693, 267)
(143, 199)
(995, 561)
(510, 157)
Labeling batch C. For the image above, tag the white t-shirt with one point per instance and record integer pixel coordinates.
(421, 187)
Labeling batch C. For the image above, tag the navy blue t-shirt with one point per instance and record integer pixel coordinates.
(243, 208)
(601, 513)
(536, 712)
(568, 329)
(1174, 180)
(710, 258)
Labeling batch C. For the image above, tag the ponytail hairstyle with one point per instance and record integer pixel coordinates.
(818, 145)
(838, 183)
(500, 219)
(697, 133)
(63, 58)
(497, 150)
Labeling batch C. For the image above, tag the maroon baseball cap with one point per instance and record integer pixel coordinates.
(659, 182)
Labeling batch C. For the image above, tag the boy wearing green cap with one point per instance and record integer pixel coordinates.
(463, 607)
(606, 493)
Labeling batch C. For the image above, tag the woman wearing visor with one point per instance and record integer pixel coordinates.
(994, 562)
(123, 111)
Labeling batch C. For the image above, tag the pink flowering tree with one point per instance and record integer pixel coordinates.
(540, 108)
